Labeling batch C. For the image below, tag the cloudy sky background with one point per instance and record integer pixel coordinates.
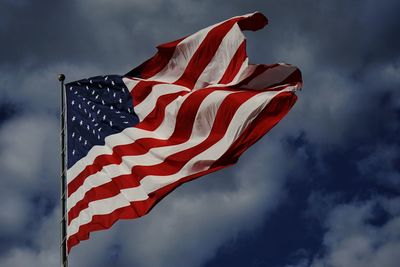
(321, 189)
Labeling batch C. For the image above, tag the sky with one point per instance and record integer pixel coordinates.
(320, 189)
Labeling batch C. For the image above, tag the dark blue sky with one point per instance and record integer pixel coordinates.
(321, 189)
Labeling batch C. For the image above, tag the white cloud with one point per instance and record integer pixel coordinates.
(29, 170)
(28, 145)
(45, 241)
(37, 90)
(28, 257)
(352, 239)
(190, 225)
(14, 212)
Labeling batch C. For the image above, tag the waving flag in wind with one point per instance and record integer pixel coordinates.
(191, 109)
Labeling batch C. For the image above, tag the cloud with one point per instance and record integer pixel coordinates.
(348, 52)
(360, 233)
(25, 155)
(29, 174)
(44, 252)
(191, 224)
(380, 165)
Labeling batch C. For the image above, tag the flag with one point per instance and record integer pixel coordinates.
(191, 109)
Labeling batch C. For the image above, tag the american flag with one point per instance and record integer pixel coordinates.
(191, 109)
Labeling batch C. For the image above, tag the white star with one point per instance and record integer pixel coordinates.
(80, 138)
(111, 107)
(98, 137)
(120, 100)
(91, 81)
(104, 117)
(93, 132)
(79, 106)
(85, 110)
(108, 89)
(123, 89)
(102, 102)
(126, 122)
(73, 152)
(114, 94)
(73, 118)
(80, 123)
(93, 119)
(96, 125)
(73, 102)
(70, 88)
(111, 123)
(85, 142)
(97, 96)
(73, 135)
(87, 87)
(78, 83)
(100, 86)
(93, 92)
(106, 78)
(98, 112)
(88, 127)
(99, 129)
(75, 92)
(122, 117)
(112, 82)
(93, 107)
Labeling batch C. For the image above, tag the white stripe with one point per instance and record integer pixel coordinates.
(130, 83)
(214, 71)
(128, 136)
(245, 71)
(201, 129)
(184, 52)
(149, 103)
(243, 116)
(181, 57)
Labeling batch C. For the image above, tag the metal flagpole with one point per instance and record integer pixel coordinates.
(63, 223)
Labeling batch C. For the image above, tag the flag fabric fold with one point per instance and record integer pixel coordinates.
(191, 109)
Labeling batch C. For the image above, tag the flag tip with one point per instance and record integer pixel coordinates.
(61, 77)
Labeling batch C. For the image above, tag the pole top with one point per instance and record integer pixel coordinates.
(61, 77)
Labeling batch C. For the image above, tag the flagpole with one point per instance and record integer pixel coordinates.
(63, 222)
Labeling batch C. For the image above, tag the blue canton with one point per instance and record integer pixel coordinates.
(96, 108)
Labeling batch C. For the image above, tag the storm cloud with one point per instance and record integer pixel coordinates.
(320, 189)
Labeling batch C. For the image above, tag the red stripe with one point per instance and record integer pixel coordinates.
(142, 90)
(287, 75)
(205, 53)
(186, 116)
(235, 64)
(265, 121)
(253, 23)
(258, 71)
(165, 51)
(157, 63)
(141, 146)
(272, 113)
(173, 163)
(150, 123)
